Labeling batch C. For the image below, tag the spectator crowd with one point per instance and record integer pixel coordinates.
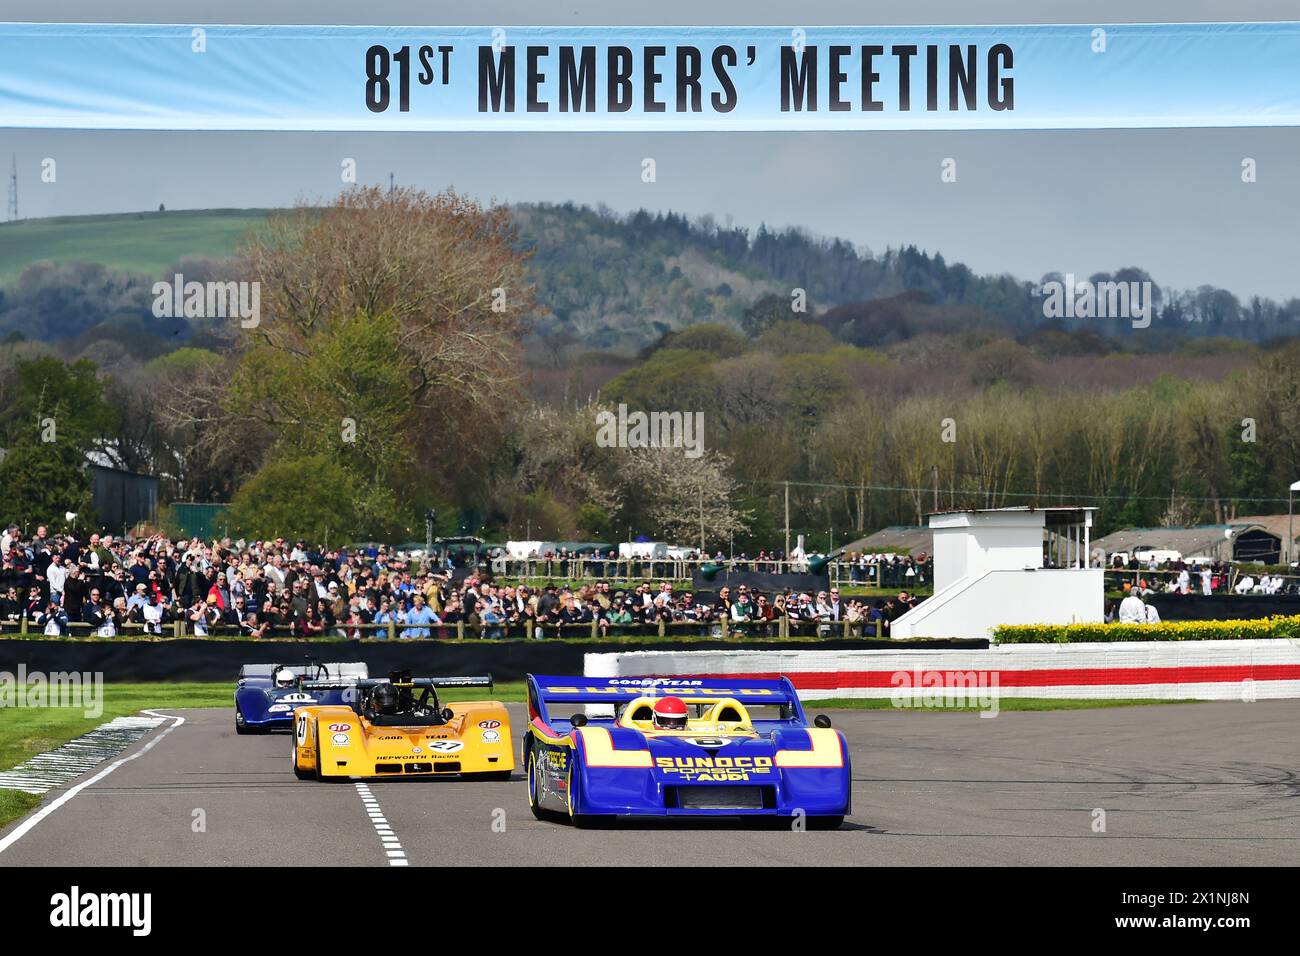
(106, 585)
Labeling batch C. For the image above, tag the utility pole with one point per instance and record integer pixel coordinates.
(701, 521)
(787, 521)
(390, 184)
(13, 190)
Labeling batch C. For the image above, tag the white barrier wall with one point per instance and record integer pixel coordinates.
(1170, 670)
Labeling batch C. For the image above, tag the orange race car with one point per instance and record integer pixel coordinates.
(396, 727)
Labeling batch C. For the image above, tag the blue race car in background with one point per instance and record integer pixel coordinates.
(266, 694)
(740, 748)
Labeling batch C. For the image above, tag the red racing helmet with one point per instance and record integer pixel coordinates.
(669, 714)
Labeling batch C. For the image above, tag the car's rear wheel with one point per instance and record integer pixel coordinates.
(531, 772)
(583, 821)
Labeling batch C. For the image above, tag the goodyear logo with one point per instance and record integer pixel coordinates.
(714, 768)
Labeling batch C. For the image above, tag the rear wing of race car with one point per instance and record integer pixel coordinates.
(403, 680)
(334, 671)
(549, 695)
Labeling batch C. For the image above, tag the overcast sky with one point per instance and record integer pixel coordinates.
(1027, 203)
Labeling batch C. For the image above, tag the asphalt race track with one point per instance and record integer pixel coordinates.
(1180, 784)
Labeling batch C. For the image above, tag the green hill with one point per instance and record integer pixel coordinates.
(617, 282)
(147, 242)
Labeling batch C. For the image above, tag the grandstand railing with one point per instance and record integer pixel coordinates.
(1119, 578)
(639, 570)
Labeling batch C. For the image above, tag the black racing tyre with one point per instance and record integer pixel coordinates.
(319, 775)
(298, 771)
(241, 726)
(530, 771)
(582, 821)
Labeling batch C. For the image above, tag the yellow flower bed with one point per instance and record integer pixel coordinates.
(1278, 626)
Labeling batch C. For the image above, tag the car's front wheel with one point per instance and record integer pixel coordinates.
(241, 725)
(298, 771)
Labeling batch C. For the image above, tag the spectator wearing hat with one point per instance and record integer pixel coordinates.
(139, 598)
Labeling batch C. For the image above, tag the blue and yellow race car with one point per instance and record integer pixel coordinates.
(681, 747)
(266, 694)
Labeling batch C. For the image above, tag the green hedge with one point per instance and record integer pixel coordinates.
(1278, 626)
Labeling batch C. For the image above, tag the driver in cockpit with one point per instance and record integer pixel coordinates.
(384, 700)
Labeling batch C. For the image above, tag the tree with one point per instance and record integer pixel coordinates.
(851, 448)
(312, 498)
(53, 415)
(346, 399)
(664, 494)
(40, 482)
(765, 312)
(444, 267)
(44, 391)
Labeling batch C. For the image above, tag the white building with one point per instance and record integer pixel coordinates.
(989, 570)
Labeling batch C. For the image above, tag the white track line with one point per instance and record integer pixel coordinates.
(392, 846)
(25, 827)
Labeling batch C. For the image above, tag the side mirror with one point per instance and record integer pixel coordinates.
(578, 720)
(821, 720)
(448, 713)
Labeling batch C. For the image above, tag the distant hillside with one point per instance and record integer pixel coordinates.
(608, 281)
(147, 242)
